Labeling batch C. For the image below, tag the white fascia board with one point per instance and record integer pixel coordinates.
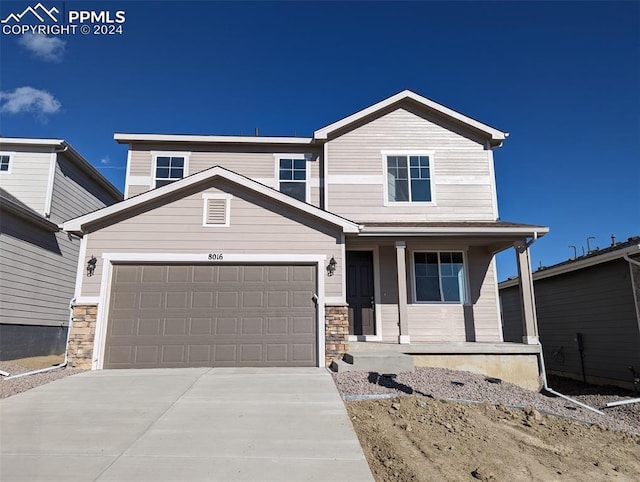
(576, 265)
(444, 231)
(76, 225)
(407, 94)
(123, 138)
(31, 141)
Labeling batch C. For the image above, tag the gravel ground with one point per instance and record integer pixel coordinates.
(19, 385)
(446, 384)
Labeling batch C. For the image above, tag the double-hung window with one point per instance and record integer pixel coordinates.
(292, 177)
(5, 161)
(408, 178)
(439, 277)
(169, 169)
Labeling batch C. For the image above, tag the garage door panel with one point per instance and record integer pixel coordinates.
(220, 315)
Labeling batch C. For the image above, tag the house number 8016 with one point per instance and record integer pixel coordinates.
(215, 257)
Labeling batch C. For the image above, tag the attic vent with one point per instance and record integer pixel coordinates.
(216, 210)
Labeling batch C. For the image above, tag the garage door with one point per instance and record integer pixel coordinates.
(211, 315)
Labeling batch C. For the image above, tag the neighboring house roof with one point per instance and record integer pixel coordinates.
(631, 247)
(12, 204)
(495, 135)
(123, 138)
(79, 224)
(74, 155)
(488, 228)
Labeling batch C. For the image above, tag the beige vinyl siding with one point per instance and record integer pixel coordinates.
(140, 163)
(461, 172)
(75, 193)
(255, 162)
(134, 190)
(29, 176)
(37, 273)
(388, 293)
(258, 225)
(486, 320)
(435, 322)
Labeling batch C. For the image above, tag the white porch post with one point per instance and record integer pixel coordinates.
(527, 297)
(401, 248)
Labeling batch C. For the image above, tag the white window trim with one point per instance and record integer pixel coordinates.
(465, 261)
(297, 157)
(227, 209)
(156, 154)
(11, 160)
(408, 152)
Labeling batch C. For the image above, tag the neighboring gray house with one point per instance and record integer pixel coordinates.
(378, 232)
(43, 182)
(588, 314)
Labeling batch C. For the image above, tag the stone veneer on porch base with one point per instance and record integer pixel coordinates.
(83, 327)
(336, 341)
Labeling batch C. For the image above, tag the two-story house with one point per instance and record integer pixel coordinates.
(43, 182)
(260, 251)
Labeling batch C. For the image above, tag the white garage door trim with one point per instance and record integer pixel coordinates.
(227, 258)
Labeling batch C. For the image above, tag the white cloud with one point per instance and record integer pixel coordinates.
(28, 99)
(105, 160)
(50, 49)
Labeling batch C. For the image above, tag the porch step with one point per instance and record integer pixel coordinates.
(375, 361)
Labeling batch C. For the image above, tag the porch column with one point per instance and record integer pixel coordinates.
(527, 297)
(401, 248)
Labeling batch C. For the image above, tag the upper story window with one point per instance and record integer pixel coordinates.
(439, 277)
(408, 178)
(5, 163)
(292, 177)
(169, 169)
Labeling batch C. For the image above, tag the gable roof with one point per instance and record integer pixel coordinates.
(495, 136)
(72, 154)
(12, 204)
(79, 224)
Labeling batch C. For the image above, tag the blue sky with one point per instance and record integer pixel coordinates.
(563, 78)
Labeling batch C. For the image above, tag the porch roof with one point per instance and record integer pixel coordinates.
(485, 228)
(496, 235)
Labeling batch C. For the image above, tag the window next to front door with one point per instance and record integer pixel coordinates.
(439, 277)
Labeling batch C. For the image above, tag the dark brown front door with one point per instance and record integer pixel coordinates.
(360, 292)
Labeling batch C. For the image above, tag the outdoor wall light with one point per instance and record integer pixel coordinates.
(91, 265)
(331, 267)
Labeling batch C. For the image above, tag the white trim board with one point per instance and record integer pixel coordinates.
(123, 138)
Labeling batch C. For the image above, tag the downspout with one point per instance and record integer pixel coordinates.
(66, 352)
(632, 261)
(558, 394)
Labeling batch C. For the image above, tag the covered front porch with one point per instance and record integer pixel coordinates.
(434, 283)
(429, 291)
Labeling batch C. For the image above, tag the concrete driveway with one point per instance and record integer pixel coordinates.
(181, 425)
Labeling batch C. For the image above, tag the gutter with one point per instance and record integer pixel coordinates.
(66, 352)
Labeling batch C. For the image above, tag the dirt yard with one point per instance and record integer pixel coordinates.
(415, 438)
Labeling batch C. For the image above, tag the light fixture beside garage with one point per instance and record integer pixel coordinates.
(331, 267)
(91, 265)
